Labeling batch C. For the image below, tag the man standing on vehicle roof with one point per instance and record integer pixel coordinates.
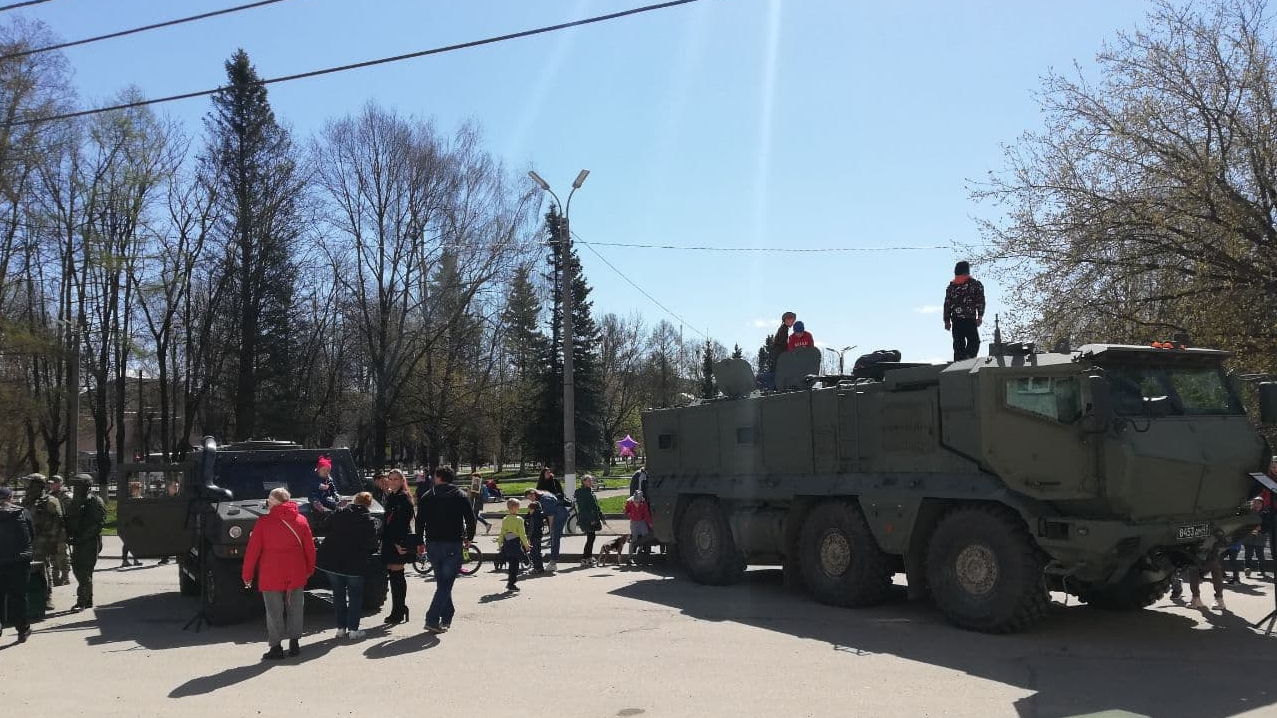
(84, 533)
(964, 312)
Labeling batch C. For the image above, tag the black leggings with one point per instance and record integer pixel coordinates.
(512, 569)
(589, 546)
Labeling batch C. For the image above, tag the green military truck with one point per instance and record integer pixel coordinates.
(986, 482)
(203, 509)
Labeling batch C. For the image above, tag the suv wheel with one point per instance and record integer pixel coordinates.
(225, 600)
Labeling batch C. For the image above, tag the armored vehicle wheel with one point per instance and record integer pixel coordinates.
(1132, 593)
(225, 600)
(840, 560)
(984, 571)
(186, 585)
(705, 545)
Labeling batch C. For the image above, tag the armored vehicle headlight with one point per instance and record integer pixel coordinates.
(236, 531)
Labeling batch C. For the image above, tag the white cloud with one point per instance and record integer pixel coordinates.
(761, 323)
(822, 345)
(928, 309)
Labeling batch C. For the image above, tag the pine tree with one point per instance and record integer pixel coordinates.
(708, 388)
(250, 162)
(547, 442)
(737, 352)
(524, 345)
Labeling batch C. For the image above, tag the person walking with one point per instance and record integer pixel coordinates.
(84, 533)
(61, 554)
(397, 542)
(964, 312)
(48, 527)
(445, 520)
(16, 536)
(476, 501)
(281, 554)
(514, 542)
(343, 556)
(589, 517)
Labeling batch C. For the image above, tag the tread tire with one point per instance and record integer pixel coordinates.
(718, 563)
(1016, 598)
(865, 580)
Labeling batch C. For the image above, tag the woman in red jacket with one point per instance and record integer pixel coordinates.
(281, 552)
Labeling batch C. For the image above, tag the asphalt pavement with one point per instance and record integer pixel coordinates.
(640, 642)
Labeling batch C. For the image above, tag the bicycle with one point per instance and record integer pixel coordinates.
(471, 560)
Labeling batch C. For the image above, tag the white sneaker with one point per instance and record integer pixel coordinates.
(1197, 603)
(549, 566)
(1219, 604)
(341, 633)
(356, 635)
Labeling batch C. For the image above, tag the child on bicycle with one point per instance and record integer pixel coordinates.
(514, 542)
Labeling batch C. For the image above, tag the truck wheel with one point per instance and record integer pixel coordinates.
(984, 571)
(705, 545)
(1132, 593)
(186, 584)
(225, 600)
(840, 560)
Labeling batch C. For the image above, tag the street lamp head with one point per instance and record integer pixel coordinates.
(580, 179)
(540, 182)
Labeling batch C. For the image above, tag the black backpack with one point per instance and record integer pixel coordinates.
(866, 361)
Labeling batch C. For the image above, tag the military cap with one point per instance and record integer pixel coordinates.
(81, 480)
(37, 479)
(55, 479)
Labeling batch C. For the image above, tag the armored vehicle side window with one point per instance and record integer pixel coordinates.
(744, 435)
(1055, 398)
(665, 441)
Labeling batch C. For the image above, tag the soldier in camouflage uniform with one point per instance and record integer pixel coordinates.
(61, 555)
(84, 532)
(47, 525)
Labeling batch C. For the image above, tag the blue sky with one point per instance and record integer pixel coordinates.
(741, 123)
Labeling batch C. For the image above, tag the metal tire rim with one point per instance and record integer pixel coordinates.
(835, 553)
(705, 537)
(977, 569)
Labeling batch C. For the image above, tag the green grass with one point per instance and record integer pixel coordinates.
(613, 504)
(112, 515)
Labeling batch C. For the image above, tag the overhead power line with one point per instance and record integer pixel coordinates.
(16, 5)
(122, 33)
(366, 63)
(642, 291)
(765, 249)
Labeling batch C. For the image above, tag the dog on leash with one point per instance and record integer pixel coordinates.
(613, 548)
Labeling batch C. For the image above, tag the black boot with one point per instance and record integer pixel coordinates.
(275, 653)
(398, 597)
(294, 647)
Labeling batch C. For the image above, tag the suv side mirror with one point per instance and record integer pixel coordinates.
(1268, 403)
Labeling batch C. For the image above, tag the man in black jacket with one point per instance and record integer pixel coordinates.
(445, 521)
(15, 564)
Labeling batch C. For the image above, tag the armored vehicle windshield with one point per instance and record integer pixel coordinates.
(1190, 386)
(251, 477)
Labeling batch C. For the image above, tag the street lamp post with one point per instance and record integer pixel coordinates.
(840, 353)
(563, 235)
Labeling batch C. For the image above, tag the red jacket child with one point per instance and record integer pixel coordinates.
(281, 550)
(800, 338)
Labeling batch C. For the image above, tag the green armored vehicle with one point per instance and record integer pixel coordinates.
(203, 510)
(985, 482)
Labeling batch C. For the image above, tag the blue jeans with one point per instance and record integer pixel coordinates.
(445, 559)
(348, 599)
(556, 535)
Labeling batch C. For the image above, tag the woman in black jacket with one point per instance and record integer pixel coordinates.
(397, 542)
(351, 539)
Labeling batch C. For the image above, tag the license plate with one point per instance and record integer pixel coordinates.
(1192, 532)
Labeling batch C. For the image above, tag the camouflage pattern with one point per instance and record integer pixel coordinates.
(48, 528)
(61, 553)
(84, 529)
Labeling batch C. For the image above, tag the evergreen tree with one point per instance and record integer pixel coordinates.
(737, 352)
(250, 163)
(708, 388)
(525, 347)
(547, 442)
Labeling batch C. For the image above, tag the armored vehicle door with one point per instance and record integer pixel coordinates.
(1033, 435)
(152, 509)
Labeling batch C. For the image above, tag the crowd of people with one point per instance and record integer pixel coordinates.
(436, 522)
